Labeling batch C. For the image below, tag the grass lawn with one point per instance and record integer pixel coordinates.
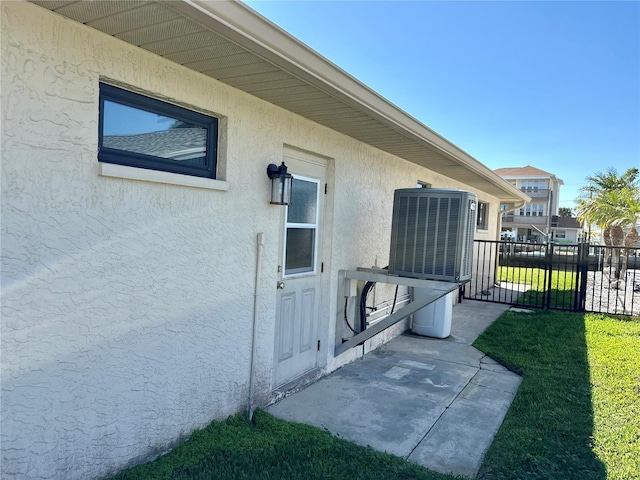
(575, 416)
(577, 412)
(270, 448)
(562, 285)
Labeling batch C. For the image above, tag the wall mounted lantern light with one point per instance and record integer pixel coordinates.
(281, 182)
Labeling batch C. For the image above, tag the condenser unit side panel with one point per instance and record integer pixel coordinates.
(421, 232)
(467, 244)
(430, 237)
(411, 239)
(398, 232)
(452, 251)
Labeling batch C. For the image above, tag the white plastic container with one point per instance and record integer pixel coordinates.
(434, 320)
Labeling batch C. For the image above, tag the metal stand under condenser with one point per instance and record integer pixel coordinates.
(427, 292)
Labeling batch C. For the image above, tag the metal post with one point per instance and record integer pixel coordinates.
(549, 275)
(584, 272)
(578, 276)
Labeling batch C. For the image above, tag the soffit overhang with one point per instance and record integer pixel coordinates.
(230, 42)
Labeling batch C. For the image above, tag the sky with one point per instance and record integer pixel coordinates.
(555, 85)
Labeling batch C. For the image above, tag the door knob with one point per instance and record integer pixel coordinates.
(280, 285)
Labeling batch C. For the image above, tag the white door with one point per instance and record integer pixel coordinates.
(299, 283)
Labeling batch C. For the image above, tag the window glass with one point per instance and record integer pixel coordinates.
(134, 130)
(533, 210)
(140, 131)
(483, 212)
(300, 248)
(304, 195)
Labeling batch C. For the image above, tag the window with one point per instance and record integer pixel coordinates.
(537, 210)
(534, 185)
(533, 210)
(301, 227)
(561, 234)
(483, 214)
(423, 184)
(139, 131)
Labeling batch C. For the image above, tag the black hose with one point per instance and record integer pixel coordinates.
(363, 305)
(346, 319)
(395, 297)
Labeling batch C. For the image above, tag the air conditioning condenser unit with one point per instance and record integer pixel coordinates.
(432, 234)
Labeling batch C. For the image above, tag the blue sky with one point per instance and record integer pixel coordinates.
(555, 85)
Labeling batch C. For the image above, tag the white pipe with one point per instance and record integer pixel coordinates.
(515, 207)
(260, 242)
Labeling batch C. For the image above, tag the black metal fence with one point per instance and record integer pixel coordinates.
(573, 277)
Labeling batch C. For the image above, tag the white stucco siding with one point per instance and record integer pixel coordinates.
(127, 305)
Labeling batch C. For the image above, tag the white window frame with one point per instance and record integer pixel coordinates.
(313, 226)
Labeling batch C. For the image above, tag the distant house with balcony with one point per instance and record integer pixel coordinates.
(537, 220)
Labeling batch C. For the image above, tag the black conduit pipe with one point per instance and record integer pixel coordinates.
(363, 305)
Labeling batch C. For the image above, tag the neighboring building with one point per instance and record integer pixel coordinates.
(534, 221)
(566, 229)
(138, 261)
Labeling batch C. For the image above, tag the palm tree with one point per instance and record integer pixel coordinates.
(631, 215)
(607, 200)
(612, 202)
(609, 180)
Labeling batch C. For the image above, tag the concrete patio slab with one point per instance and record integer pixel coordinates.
(435, 402)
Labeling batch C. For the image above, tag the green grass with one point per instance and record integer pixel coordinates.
(270, 448)
(614, 358)
(562, 285)
(577, 412)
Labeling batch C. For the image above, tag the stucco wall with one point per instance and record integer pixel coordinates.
(127, 305)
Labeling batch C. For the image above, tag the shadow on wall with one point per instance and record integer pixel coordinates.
(120, 349)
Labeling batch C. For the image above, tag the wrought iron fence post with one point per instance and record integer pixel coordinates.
(582, 272)
(549, 275)
(577, 269)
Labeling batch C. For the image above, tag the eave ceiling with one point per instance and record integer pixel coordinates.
(231, 43)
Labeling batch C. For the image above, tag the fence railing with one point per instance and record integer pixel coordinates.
(575, 277)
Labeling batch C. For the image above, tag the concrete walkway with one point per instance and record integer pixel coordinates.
(438, 403)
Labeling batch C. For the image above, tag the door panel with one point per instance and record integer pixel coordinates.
(286, 326)
(299, 292)
(307, 316)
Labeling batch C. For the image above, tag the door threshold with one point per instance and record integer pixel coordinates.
(295, 385)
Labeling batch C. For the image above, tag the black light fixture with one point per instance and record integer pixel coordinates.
(281, 182)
